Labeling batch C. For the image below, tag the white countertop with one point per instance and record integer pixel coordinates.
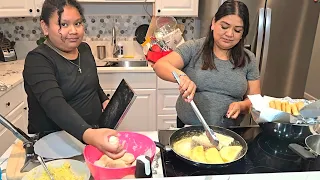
(159, 173)
(11, 73)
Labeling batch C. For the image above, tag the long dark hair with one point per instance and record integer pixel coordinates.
(229, 7)
(50, 6)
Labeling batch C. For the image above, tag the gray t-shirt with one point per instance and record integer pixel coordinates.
(216, 89)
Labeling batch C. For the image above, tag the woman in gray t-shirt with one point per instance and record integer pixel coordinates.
(217, 72)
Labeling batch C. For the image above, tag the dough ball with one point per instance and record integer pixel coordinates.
(134, 163)
(105, 159)
(100, 163)
(128, 158)
(114, 140)
(118, 163)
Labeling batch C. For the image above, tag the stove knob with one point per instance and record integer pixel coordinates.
(143, 167)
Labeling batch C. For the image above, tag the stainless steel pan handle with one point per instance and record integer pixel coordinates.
(16, 131)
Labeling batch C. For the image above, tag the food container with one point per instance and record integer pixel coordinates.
(135, 143)
(264, 113)
(280, 124)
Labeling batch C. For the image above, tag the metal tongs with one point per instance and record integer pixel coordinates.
(209, 132)
(16, 131)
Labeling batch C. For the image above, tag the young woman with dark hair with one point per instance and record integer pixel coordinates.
(61, 80)
(216, 71)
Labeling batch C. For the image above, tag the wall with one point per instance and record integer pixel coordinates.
(312, 90)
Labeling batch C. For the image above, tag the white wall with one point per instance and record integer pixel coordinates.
(312, 90)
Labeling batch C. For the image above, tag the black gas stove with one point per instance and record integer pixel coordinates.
(264, 155)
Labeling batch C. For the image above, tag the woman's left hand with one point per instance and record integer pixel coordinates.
(104, 104)
(234, 110)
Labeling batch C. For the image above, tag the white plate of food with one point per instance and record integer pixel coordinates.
(61, 170)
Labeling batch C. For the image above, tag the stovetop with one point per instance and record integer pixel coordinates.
(264, 155)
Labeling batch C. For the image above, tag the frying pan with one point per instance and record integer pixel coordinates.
(310, 153)
(286, 131)
(141, 32)
(197, 130)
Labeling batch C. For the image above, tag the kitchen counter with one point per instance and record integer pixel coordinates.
(157, 166)
(159, 175)
(11, 72)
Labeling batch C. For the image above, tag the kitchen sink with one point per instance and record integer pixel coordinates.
(125, 63)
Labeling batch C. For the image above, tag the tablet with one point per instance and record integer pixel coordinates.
(118, 106)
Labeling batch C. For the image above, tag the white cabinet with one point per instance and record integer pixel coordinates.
(13, 108)
(37, 7)
(186, 8)
(142, 114)
(167, 95)
(20, 8)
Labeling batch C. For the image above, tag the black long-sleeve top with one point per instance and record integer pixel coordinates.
(59, 96)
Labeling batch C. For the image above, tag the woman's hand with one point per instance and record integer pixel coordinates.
(99, 138)
(234, 110)
(104, 104)
(187, 88)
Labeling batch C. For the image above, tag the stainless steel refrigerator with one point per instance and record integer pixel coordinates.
(281, 35)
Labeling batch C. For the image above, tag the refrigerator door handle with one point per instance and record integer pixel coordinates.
(260, 34)
(265, 46)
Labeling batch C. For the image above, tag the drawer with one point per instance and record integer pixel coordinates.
(11, 99)
(166, 103)
(162, 84)
(15, 113)
(135, 80)
(166, 121)
(6, 137)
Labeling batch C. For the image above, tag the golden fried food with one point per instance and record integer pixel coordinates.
(205, 142)
(300, 105)
(230, 153)
(183, 147)
(294, 110)
(288, 108)
(278, 104)
(212, 156)
(197, 154)
(285, 106)
(272, 104)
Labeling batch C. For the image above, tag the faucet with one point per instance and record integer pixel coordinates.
(115, 51)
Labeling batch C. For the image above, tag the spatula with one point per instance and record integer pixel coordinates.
(209, 132)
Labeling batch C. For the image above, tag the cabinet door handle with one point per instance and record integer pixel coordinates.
(38, 10)
(30, 10)
(159, 10)
(25, 108)
(8, 104)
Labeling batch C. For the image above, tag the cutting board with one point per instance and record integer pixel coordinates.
(15, 162)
